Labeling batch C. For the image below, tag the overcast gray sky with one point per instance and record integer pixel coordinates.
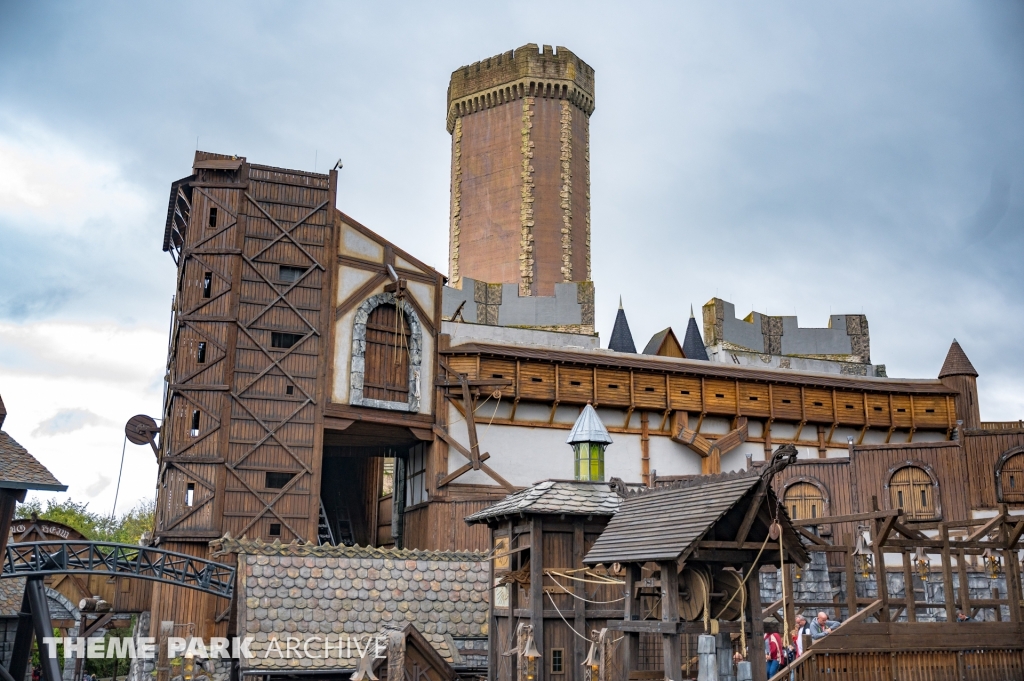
(790, 157)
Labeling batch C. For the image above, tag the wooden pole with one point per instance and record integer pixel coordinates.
(851, 577)
(947, 574)
(645, 449)
(670, 645)
(631, 611)
(908, 588)
(163, 663)
(755, 648)
(579, 606)
(965, 590)
(1013, 583)
(537, 592)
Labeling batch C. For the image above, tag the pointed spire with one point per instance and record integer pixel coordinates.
(589, 428)
(956, 363)
(693, 344)
(622, 339)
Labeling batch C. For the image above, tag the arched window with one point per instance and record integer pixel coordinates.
(804, 501)
(386, 376)
(1010, 477)
(912, 489)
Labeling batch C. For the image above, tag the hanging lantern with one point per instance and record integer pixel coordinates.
(992, 563)
(924, 565)
(798, 573)
(589, 438)
(862, 556)
(532, 655)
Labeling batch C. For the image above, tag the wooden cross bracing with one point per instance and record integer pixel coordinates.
(468, 409)
(275, 362)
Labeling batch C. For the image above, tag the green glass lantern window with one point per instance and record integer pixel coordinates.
(589, 461)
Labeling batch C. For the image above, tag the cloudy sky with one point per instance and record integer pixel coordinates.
(790, 157)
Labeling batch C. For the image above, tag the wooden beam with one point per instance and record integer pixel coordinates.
(984, 530)
(851, 518)
(751, 514)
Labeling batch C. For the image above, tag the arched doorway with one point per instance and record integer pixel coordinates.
(386, 373)
(1010, 478)
(912, 489)
(804, 501)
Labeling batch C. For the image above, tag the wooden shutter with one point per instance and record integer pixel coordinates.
(911, 489)
(804, 501)
(1011, 479)
(386, 376)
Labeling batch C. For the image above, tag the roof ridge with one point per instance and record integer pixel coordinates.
(228, 545)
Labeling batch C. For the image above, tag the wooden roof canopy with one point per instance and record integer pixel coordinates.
(722, 519)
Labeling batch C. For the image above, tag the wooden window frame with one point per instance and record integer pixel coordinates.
(930, 472)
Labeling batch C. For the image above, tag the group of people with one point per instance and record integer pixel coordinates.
(778, 652)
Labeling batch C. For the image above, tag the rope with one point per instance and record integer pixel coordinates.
(782, 577)
(117, 492)
(588, 581)
(581, 597)
(552, 599)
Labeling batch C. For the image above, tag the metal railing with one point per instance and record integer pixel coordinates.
(25, 559)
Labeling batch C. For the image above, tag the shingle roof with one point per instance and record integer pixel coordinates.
(12, 591)
(555, 497)
(956, 363)
(621, 339)
(661, 523)
(307, 596)
(20, 470)
(693, 344)
(228, 544)
(588, 428)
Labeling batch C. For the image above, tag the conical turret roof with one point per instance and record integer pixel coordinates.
(589, 428)
(956, 363)
(693, 344)
(622, 338)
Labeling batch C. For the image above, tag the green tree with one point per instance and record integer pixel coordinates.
(126, 529)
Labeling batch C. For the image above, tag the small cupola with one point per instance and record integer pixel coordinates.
(588, 438)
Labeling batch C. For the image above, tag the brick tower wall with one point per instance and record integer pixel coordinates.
(520, 209)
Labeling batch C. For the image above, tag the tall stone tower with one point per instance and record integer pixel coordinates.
(520, 204)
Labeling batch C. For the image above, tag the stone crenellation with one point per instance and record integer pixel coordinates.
(570, 310)
(846, 339)
(528, 71)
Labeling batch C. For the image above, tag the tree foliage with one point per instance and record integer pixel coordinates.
(125, 529)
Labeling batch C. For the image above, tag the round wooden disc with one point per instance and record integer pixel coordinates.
(729, 583)
(140, 429)
(691, 595)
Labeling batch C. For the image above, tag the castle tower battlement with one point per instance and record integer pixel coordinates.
(520, 172)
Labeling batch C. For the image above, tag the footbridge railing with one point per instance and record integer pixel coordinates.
(38, 559)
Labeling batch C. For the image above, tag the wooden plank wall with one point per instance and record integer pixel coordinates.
(871, 466)
(208, 615)
(833, 476)
(983, 448)
(440, 526)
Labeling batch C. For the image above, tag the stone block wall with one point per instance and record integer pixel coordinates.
(570, 309)
(846, 339)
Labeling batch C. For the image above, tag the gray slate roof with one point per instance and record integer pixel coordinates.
(588, 428)
(661, 523)
(621, 339)
(20, 470)
(693, 344)
(352, 596)
(555, 497)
